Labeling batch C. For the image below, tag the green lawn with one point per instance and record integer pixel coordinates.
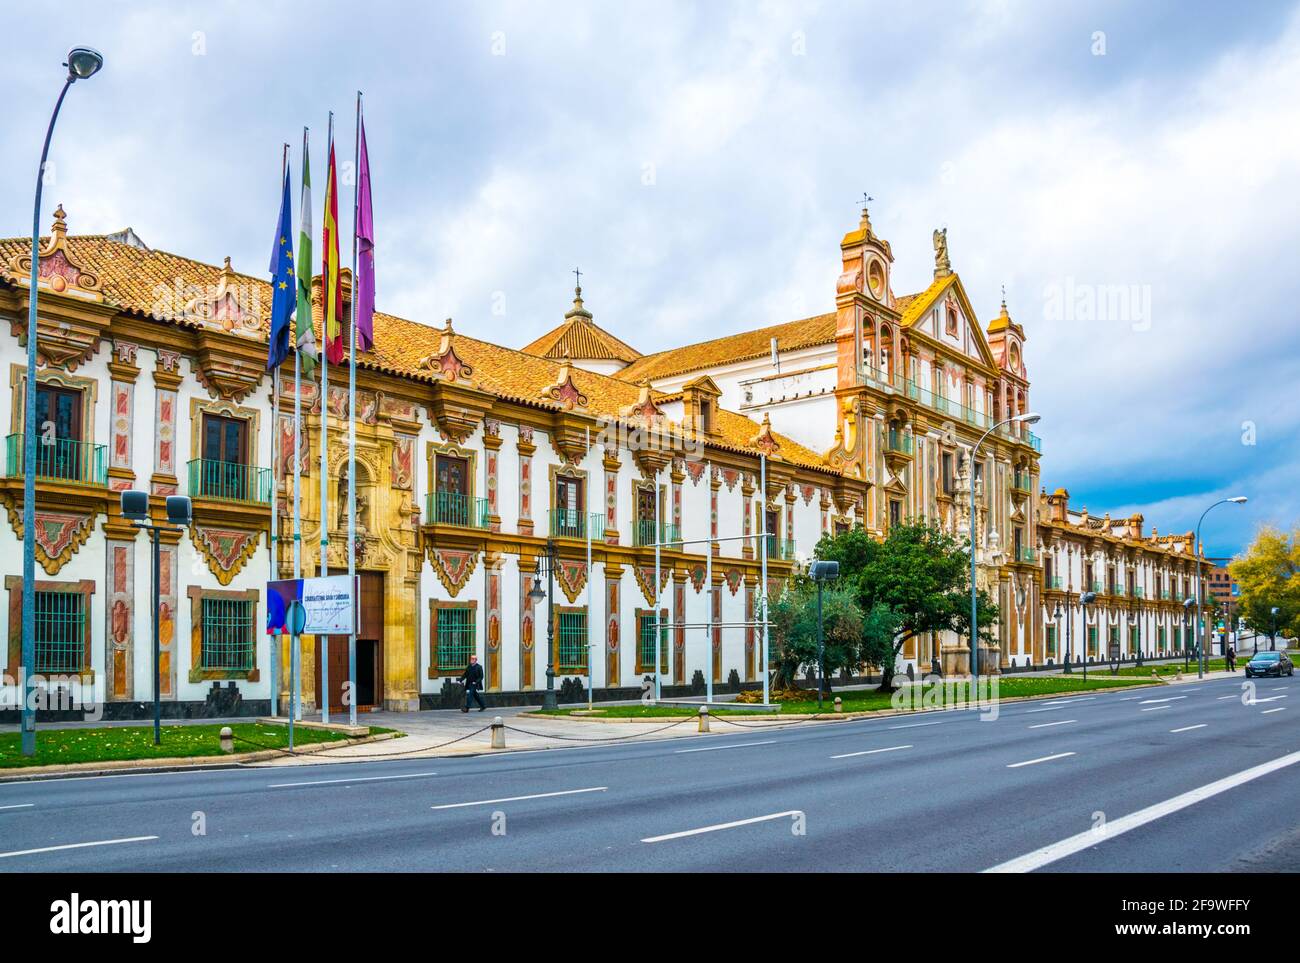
(868, 700)
(63, 746)
(1167, 668)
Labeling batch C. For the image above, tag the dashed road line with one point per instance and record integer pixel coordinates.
(505, 799)
(790, 813)
(1034, 762)
(869, 752)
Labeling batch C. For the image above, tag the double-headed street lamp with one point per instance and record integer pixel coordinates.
(821, 573)
(537, 594)
(82, 63)
(1028, 418)
(1272, 635)
(1086, 599)
(1200, 662)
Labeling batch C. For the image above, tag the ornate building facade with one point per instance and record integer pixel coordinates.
(472, 459)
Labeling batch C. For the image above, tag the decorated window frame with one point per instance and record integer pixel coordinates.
(197, 595)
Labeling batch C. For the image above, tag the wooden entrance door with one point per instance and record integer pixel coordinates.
(369, 687)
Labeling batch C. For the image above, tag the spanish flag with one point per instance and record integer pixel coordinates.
(330, 267)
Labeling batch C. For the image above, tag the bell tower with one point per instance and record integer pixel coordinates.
(862, 289)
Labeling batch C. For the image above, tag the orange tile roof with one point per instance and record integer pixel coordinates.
(157, 284)
(792, 335)
(580, 337)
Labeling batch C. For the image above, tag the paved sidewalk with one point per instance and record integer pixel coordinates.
(444, 732)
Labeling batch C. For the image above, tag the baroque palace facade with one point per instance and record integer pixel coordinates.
(473, 457)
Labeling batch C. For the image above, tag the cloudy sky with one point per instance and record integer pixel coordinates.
(1129, 172)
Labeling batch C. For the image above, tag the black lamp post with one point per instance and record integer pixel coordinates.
(1086, 599)
(1187, 639)
(536, 594)
(821, 573)
(135, 506)
(1272, 635)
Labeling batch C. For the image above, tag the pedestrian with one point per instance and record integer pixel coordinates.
(473, 679)
(1232, 659)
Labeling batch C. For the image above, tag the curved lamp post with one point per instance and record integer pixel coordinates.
(1200, 636)
(83, 63)
(1028, 418)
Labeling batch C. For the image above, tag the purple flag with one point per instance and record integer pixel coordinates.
(365, 253)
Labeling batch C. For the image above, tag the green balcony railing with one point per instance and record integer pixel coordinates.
(1166, 595)
(1096, 588)
(898, 441)
(780, 548)
(1035, 442)
(453, 508)
(229, 482)
(1117, 590)
(1026, 554)
(1020, 481)
(1139, 592)
(1058, 583)
(569, 523)
(61, 460)
(643, 534)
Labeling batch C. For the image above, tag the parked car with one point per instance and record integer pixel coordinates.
(1270, 663)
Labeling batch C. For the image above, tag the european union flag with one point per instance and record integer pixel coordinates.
(283, 283)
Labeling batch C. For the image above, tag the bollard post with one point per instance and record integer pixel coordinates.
(498, 733)
(227, 739)
(1178, 676)
(839, 704)
(704, 718)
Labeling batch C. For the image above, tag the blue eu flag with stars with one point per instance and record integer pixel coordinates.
(283, 283)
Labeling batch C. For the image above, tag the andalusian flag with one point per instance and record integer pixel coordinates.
(333, 293)
(305, 337)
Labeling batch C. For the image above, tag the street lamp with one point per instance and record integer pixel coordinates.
(135, 508)
(1272, 635)
(536, 594)
(1086, 599)
(1187, 638)
(1200, 661)
(1028, 418)
(821, 573)
(1057, 647)
(82, 63)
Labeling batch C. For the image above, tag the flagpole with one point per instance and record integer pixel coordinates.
(352, 427)
(322, 650)
(273, 643)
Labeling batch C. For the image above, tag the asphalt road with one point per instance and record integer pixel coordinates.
(1177, 778)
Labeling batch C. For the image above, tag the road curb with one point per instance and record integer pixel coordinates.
(838, 716)
(181, 763)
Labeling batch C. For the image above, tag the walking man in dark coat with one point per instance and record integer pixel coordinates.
(473, 679)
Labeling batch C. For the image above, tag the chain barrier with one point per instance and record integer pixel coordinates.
(366, 755)
(635, 735)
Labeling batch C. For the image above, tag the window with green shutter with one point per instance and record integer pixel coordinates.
(571, 642)
(60, 639)
(228, 634)
(455, 638)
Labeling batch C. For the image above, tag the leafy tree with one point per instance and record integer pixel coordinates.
(1267, 575)
(914, 581)
(794, 630)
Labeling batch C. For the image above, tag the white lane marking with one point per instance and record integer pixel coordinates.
(1044, 725)
(1278, 709)
(714, 829)
(1269, 699)
(737, 745)
(1089, 837)
(99, 842)
(1150, 702)
(1129, 698)
(1053, 709)
(331, 782)
(868, 752)
(19, 806)
(1201, 725)
(1221, 698)
(1154, 708)
(1277, 688)
(1033, 762)
(539, 795)
(916, 725)
(1066, 702)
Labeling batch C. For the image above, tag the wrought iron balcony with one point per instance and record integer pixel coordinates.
(643, 534)
(570, 523)
(61, 460)
(229, 481)
(453, 508)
